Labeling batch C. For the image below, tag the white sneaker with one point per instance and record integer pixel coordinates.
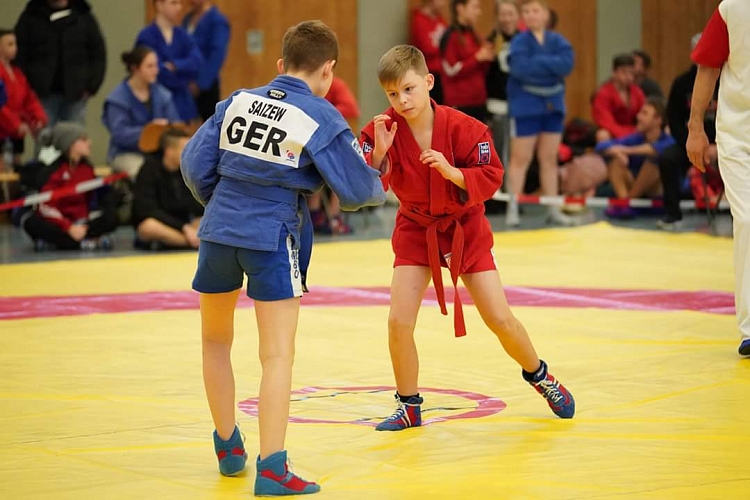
(512, 218)
(556, 217)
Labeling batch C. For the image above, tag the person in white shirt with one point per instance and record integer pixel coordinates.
(724, 51)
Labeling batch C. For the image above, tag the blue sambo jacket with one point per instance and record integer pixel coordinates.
(264, 148)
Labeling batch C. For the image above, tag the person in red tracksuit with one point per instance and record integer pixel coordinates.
(442, 166)
(616, 104)
(466, 60)
(68, 223)
(426, 29)
(23, 113)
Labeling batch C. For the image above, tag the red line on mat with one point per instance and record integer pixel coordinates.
(634, 300)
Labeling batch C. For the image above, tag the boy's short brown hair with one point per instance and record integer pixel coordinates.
(398, 61)
(660, 107)
(308, 46)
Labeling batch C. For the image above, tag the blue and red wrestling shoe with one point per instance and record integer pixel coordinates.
(560, 400)
(231, 453)
(408, 414)
(274, 479)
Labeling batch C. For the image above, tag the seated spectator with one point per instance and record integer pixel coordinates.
(617, 103)
(165, 214)
(210, 31)
(674, 163)
(78, 222)
(180, 60)
(633, 159)
(649, 86)
(23, 113)
(135, 102)
(329, 220)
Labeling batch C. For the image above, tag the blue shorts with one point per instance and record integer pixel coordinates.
(270, 275)
(529, 126)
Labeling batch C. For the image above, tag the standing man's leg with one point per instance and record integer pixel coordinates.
(734, 161)
(74, 111)
(673, 164)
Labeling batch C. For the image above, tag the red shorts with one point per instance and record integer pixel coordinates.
(485, 263)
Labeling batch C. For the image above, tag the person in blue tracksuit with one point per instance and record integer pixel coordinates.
(251, 165)
(539, 61)
(180, 60)
(210, 30)
(134, 103)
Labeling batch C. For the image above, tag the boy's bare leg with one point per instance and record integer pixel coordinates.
(217, 324)
(521, 154)
(407, 290)
(277, 327)
(488, 295)
(547, 151)
(620, 176)
(487, 292)
(647, 182)
(153, 230)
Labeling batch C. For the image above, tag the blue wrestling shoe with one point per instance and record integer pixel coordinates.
(560, 400)
(744, 349)
(274, 479)
(231, 453)
(408, 414)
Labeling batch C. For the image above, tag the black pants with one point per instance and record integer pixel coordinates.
(437, 90)
(206, 101)
(478, 112)
(673, 165)
(39, 228)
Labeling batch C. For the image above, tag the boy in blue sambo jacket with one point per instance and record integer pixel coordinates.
(251, 165)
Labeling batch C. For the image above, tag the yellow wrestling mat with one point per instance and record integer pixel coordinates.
(101, 394)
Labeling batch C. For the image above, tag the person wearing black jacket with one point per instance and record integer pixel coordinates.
(674, 162)
(508, 16)
(165, 214)
(62, 52)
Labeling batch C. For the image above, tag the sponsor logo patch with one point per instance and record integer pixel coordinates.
(276, 94)
(355, 146)
(484, 153)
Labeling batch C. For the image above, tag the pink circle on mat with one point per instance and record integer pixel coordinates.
(485, 405)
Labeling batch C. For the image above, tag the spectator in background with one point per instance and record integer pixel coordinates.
(23, 114)
(553, 19)
(71, 223)
(327, 219)
(539, 62)
(165, 214)
(506, 28)
(210, 31)
(616, 104)
(62, 53)
(426, 29)
(674, 163)
(633, 159)
(642, 66)
(466, 59)
(134, 103)
(180, 60)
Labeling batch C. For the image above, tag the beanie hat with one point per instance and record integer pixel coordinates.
(63, 135)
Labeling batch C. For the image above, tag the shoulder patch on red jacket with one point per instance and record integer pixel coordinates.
(484, 153)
